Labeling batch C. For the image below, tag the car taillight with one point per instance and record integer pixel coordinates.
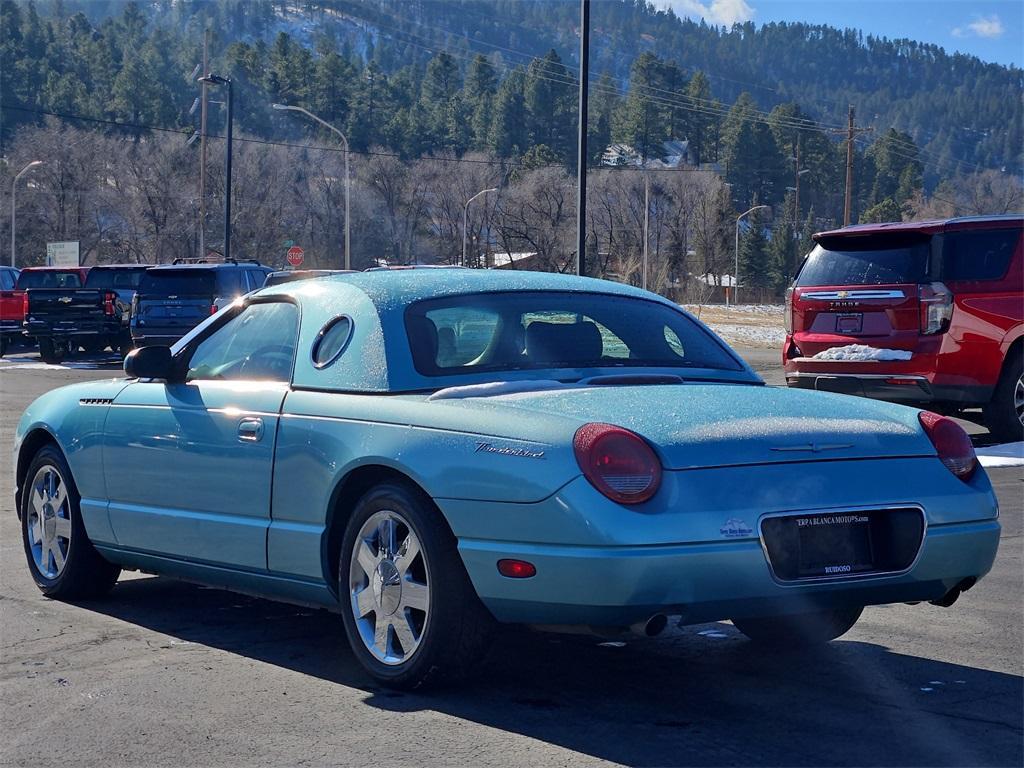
(108, 302)
(951, 442)
(24, 304)
(787, 315)
(936, 307)
(619, 463)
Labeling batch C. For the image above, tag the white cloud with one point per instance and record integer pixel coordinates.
(727, 12)
(982, 26)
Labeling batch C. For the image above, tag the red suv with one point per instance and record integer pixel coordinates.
(924, 313)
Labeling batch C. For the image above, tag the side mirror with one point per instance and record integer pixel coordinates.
(150, 363)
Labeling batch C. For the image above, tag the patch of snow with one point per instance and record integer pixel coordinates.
(1005, 455)
(749, 335)
(862, 353)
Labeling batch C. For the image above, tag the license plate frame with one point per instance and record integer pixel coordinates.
(850, 323)
(842, 543)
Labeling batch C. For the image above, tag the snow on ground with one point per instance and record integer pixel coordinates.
(1005, 455)
(745, 325)
(862, 353)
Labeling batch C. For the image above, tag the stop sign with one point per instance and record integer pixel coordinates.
(295, 255)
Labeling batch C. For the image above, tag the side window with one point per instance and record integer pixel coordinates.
(256, 344)
(230, 283)
(981, 255)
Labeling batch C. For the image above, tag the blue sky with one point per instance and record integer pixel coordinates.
(992, 30)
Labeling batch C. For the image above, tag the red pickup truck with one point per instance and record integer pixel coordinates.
(12, 295)
(925, 313)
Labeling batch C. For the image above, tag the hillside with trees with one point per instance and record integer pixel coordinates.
(432, 95)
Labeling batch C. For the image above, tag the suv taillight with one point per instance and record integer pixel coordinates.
(619, 463)
(108, 303)
(936, 307)
(24, 304)
(951, 443)
(787, 315)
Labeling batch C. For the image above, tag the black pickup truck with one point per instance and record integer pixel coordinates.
(92, 317)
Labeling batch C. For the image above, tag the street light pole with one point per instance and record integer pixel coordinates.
(348, 180)
(465, 218)
(218, 80)
(736, 274)
(14, 210)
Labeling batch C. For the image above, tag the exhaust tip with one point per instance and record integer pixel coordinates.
(653, 627)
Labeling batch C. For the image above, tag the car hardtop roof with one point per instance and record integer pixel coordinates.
(402, 287)
(995, 221)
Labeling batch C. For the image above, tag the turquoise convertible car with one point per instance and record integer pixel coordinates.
(433, 453)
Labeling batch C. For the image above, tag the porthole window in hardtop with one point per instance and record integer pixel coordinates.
(331, 341)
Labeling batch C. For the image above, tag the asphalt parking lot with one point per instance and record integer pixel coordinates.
(167, 673)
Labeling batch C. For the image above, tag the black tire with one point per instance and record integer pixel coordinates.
(456, 633)
(1003, 415)
(85, 574)
(51, 352)
(800, 630)
(4, 343)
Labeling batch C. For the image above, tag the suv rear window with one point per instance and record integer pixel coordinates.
(178, 282)
(114, 279)
(49, 280)
(867, 261)
(978, 255)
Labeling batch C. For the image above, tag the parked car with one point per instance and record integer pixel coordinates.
(92, 317)
(291, 275)
(429, 455)
(174, 298)
(11, 309)
(13, 299)
(936, 307)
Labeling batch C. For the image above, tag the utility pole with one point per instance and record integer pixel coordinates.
(647, 214)
(849, 170)
(581, 158)
(796, 193)
(202, 149)
(212, 79)
(851, 133)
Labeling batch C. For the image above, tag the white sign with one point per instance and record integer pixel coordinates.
(63, 254)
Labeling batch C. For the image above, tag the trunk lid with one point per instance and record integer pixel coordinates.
(705, 425)
(61, 304)
(170, 314)
(863, 289)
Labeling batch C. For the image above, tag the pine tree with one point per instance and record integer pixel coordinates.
(508, 134)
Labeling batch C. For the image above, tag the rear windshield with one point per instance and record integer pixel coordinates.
(49, 280)
(867, 261)
(114, 279)
(178, 282)
(550, 330)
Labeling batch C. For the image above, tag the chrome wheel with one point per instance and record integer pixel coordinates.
(49, 521)
(1018, 399)
(388, 588)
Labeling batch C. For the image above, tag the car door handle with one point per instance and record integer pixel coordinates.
(250, 430)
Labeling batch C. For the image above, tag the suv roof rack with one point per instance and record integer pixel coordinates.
(205, 260)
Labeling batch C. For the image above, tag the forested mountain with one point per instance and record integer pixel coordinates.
(493, 83)
(955, 107)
